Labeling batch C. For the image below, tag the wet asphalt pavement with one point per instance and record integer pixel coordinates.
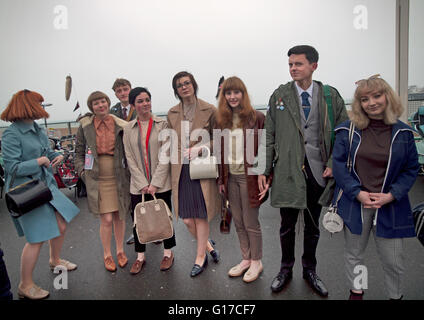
(92, 282)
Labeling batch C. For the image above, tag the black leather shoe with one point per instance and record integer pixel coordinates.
(280, 281)
(130, 240)
(214, 253)
(199, 269)
(315, 282)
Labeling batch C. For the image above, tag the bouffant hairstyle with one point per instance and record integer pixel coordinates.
(96, 95)
(394, 107)
(224, 116)
(179, 75)
(134, 93)
(24, 105)
(120, 82)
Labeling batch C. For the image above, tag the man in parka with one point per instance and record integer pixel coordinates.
(299, 139)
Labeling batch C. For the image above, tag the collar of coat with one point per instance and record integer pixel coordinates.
(88, 120)
(156, 119)
(399, 125)
(201, 104)
(24, 127)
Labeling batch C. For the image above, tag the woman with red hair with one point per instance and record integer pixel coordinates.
(27, 155)
(241, 125)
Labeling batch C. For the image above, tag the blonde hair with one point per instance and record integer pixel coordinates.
(374, 83)
(24, 105)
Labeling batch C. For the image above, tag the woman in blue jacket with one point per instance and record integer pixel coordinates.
(375, 192)
(27, 155)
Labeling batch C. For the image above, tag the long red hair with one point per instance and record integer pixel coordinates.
(225, 112)
(24, 105)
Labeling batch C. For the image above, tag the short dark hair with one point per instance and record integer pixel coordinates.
(310, 52)
(134, 93)
(180, 75)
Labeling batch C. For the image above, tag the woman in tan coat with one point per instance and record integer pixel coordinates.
(100, 161)
(194, 200)
(149, 175)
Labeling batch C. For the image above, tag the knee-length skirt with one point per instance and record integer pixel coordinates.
(108, 192)
(191, 203)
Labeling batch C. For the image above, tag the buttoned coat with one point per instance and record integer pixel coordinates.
(86, 139)
(204, 118)
(22, 144)
(160, 171)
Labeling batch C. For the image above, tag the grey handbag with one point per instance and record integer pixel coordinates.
(153, 220)
(204, 167)
(332, 221)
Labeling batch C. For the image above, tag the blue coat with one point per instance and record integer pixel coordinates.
(393, 220)
(22, 144)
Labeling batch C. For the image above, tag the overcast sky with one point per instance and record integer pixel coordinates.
(147, 42)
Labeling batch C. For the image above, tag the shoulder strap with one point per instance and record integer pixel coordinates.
(328, 99)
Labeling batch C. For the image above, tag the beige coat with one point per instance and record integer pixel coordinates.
(160, 172)
(86, 138)
(204, 118)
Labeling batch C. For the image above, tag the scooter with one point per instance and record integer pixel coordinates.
(417, 122)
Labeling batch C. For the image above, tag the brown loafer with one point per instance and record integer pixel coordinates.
(137, 266)
(122, 259)
(167, 262)
(110, 264)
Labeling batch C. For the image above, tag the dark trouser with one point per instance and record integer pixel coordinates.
(135, 199)
(5, 293)
(311, 231)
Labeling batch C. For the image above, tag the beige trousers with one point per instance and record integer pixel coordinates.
(246, 219)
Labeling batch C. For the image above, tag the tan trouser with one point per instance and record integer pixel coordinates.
(246, 219)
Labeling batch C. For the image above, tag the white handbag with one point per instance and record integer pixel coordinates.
(205, 167)
(332, 221)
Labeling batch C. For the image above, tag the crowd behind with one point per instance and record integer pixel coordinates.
(305, 147)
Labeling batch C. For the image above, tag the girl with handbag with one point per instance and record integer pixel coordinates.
(149, 175)
(27, 155)
(100, 162)
(241, 123)
(195, 201)
(375, 192)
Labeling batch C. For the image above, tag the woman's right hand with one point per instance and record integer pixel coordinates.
(145, 190)
(364, 198)
(221, 189)
(43, 161)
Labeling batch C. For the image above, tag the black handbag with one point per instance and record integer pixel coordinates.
(418, 215)
(26, 196)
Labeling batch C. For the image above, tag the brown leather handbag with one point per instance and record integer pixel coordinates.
(226, 215)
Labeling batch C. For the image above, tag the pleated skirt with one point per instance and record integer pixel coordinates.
(108, 192)
(191, 203)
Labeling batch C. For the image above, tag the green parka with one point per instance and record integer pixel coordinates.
(285, 146)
